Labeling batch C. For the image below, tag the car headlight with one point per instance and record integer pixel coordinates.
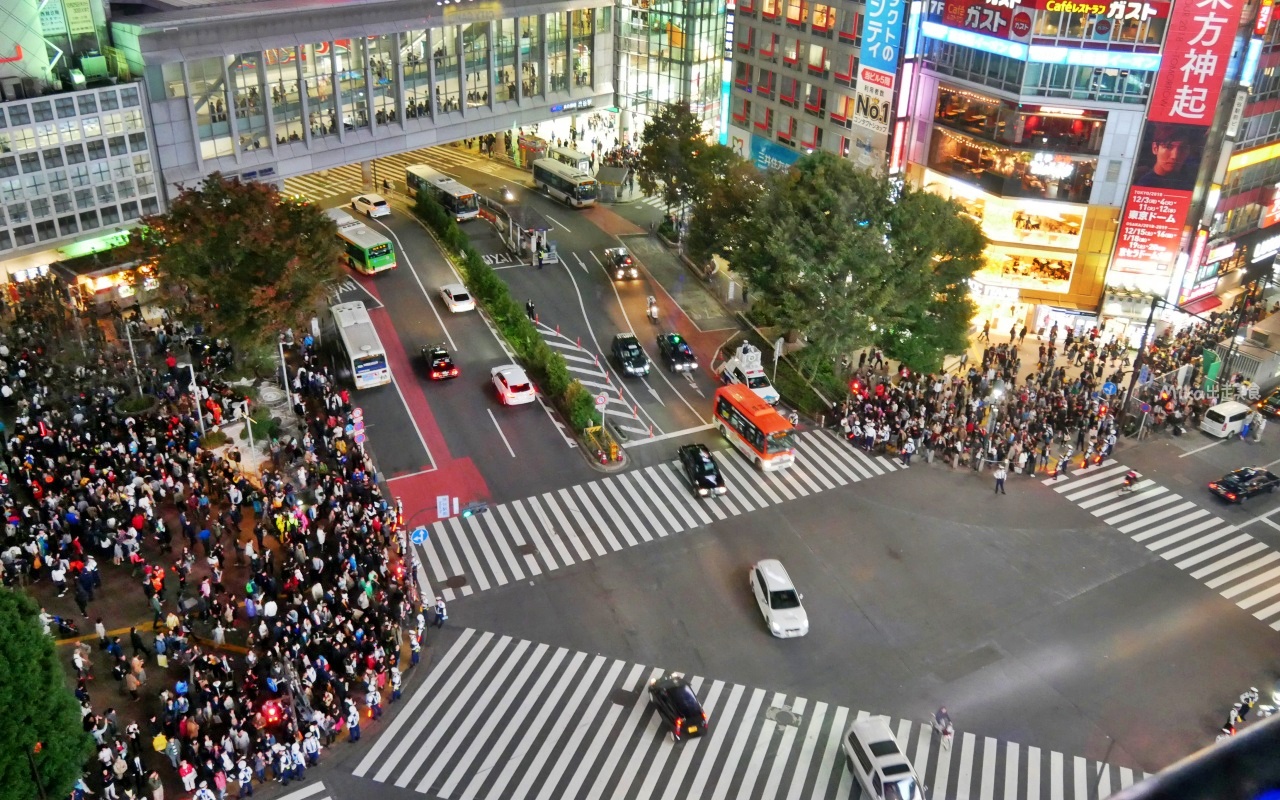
(703, 492)
(775, 627)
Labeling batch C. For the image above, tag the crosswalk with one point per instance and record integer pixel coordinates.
(348, 179)
(1214, 552)
(313, 791)
(526, 538)
(507, 718)
(592, 370)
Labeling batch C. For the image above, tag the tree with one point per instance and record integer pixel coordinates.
(241, 257)
(669, 144)
(41, 723)
(849, 259)
(731, 186)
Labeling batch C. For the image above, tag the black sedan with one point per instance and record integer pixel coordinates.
(631, 359)
(701, 470)
(1236, 486)
(440, 364)
(676, 703)
(676, 353)
(620, 263)
(1270, 405)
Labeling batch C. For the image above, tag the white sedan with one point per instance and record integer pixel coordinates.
(513, 385)
(778, 599)
(371, 205)
(457, 298)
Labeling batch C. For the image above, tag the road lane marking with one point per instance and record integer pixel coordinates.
(500, 433)
(1204, 447)
(558, 222)
(578, 258)
(673, 434)
(414, 271)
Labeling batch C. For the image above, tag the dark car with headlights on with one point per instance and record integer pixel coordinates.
(630, 357)
(440, 364)
(620, 263)
(676, 703)
(1270, 405)
(701, 470)
(676, 353)
(1241, 484)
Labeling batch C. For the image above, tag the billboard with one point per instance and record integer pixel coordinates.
(766, 155)
(878, 65)
(1012, 19)
(1183, 102)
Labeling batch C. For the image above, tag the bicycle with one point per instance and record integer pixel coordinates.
(946, 731)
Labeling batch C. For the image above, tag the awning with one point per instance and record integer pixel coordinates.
(1202, 305)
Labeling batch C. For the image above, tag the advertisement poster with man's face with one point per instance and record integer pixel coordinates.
(1183, 103)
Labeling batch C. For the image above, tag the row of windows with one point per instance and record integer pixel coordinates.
(817, 18)
(55, 157)
(72, 224)
(1089, 84)
(81, 199)
(790, 129)
(23, 113)
(28, 137)
(1258, 130)
(1264, 173)
(99, 172)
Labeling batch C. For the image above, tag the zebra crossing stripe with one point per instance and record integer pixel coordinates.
(1233, 564)
(309, 792)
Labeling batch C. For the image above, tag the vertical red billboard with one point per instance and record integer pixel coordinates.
(1197, 49)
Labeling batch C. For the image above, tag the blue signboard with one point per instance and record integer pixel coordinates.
(766, 155)
(1108, 388)
(883, 35)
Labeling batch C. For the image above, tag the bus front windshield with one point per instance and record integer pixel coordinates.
(587, 191)
(372, 363)
(779, 443)
(466, 202)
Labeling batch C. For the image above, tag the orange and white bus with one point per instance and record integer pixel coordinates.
(754, 427)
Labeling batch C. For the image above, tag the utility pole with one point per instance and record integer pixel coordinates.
(1141, 360)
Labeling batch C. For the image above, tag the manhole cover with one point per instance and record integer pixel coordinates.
(621, 697)
(456, 582)
(782, 715)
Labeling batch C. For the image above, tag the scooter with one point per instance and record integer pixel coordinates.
(653, 310)
(508, 196)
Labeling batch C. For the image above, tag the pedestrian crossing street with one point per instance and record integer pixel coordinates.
(500, 718)
(1214, 552)
(526, 538)
(347, 180)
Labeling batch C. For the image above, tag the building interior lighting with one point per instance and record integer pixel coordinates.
(1041, 54)
(1255, 156)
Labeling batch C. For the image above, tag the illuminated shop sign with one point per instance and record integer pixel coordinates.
(1265, 249)
(1117, 10)
(1183, 102)
(878, 65)
(1047, 166)
(1041, 54)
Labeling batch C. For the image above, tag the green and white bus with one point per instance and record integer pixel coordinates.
(567, 184)
(456, 198)
(364, 249)
(364, 362)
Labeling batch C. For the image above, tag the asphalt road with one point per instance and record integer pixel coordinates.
(1079, 637)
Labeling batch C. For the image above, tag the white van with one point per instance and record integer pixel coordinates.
(878, 761)
(1225, 419)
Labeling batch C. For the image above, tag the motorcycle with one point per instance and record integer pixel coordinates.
(508, 196)
(653, 310)
(1130, 480)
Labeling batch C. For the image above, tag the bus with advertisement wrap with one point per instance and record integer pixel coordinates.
(754, 427)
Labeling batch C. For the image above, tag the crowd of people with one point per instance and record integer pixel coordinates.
(255, 674)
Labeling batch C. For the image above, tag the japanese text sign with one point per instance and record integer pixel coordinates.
(882, 37)
(1196, 53)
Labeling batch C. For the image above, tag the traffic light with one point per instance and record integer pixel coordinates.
(855, 387)
(471, 509)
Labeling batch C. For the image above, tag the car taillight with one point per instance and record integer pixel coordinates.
(1231, 495)
(453, 371)
(679, 723)
(704, 717)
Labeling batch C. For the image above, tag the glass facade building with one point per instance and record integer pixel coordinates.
(670, 51)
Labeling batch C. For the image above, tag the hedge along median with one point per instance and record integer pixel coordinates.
(547, 367)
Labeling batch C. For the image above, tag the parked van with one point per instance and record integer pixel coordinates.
(1225, 419)
(878, 761)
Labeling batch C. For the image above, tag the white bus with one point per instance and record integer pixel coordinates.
(567, 155)
(362, 349)
(567, 184)
(456, 198)
(363, 249)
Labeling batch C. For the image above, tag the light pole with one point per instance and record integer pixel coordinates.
(195, 394)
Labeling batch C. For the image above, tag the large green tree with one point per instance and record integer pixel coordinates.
(41, 720)
(850, 259)
(730, 186)
(670, 142)
(241, 257)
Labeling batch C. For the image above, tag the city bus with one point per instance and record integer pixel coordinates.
(575, 159)
(457, 199)
(754, 427)
(567, 184)
(363, 249)
(363, 359)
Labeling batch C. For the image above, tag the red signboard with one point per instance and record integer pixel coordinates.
(1151, 230)
(1196, 52)
(1011, 19)
(1271, 207)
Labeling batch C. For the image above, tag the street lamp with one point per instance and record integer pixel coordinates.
(195, 394)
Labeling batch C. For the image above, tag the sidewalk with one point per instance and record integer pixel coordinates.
(695, 297)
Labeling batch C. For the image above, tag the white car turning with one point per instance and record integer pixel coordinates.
(778, 599)
(513, 385)
(457, 298)
(371, 205)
